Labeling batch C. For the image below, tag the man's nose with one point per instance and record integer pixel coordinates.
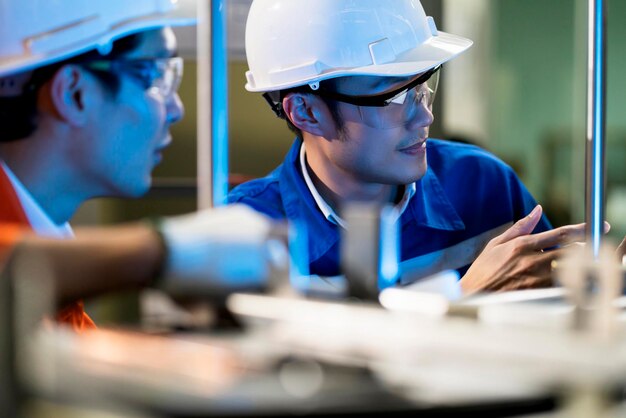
(423, 116)
(174, 108)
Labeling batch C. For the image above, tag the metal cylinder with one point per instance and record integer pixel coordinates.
(212, 103)
(596, 124)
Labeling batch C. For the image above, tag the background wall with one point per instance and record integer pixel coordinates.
(519, 92)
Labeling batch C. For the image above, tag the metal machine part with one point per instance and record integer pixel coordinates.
(212, 104)
(369, 249)
(594, 283)
(8, 377)
(596, 124)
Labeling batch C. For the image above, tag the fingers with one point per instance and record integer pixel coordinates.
(528, 282)
(522, 227)
(533, 271)
(564, 235)
(531, 282)
(541, 273)
(537, 274)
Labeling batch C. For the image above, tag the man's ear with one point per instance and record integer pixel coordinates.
(308, 113)
(68, 89)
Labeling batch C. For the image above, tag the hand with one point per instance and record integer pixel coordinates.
(517, 260)
(621, 252)
(218, 250)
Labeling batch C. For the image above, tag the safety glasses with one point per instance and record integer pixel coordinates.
(159, 76)
(394, 108)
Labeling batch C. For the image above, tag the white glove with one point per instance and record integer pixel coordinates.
(219, 250)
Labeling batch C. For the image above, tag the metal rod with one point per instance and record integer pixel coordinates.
(9, 393)
(596, 124)
(212, 103)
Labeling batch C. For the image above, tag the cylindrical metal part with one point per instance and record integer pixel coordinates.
(212, 103)
(596, 124)
(369, 249)
(9, 394)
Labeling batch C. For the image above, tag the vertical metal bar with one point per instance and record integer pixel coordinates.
(9, 394)
(212, 103)
(219, 79)
(369, 250)
(596, 124)
(204, 148)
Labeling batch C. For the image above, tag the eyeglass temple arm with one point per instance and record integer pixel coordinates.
(273, 99)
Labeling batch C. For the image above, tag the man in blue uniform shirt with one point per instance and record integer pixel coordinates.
(356, 81)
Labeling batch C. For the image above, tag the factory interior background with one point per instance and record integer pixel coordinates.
(519, 92)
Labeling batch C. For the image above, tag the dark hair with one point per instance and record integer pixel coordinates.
(19, 114)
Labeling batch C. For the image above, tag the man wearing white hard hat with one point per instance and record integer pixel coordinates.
(355, 80)
(88, 91)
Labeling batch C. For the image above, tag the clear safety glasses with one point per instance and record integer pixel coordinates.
(394, 108)
(159, 76)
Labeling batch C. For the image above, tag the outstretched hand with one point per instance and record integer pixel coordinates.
(516, 259)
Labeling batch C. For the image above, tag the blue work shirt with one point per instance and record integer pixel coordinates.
(467, 197)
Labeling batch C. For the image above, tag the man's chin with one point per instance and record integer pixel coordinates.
(137, 190)
(414, 175)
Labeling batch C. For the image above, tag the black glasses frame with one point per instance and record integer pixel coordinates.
(379, 100)
(142, 69)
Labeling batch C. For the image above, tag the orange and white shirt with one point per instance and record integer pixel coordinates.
(20, 212)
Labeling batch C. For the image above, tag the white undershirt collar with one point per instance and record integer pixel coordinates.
(38, 219)
(328, 212)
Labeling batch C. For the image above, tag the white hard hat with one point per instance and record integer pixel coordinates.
(290, 43)
(34, 33)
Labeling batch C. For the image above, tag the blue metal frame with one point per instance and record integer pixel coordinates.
(219, 87)
(212, 103)
(596, 124)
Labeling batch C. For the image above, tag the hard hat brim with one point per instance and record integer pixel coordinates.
(436, 51)
(184, 15)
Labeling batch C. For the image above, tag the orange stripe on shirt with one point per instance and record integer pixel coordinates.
(13, 224)
(10, 233)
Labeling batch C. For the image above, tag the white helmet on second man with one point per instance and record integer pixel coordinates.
(291, 43)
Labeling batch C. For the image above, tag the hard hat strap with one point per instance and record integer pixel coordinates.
(274, 99)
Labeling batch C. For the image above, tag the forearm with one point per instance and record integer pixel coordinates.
(97, 261)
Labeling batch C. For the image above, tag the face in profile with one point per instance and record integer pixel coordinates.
(131, 127)
(383, 145)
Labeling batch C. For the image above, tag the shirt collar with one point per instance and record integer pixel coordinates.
(325, 208)
(301, 208)
(431, 207)
(427, 205)
(328, 212)
(38, 219)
